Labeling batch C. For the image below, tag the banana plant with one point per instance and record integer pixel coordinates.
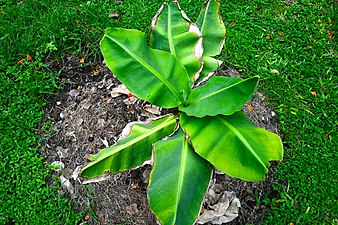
(209, 131)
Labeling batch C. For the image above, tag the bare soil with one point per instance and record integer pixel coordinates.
(85, 117)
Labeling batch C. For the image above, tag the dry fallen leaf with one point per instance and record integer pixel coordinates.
(152, 109)
(250, 107)
(96, 73)
(320, 21)
(65, 182)
(330, 35)
(268, 36)
(121, 89)
(225, 210)
(313, 93)
(105, 142)
(79, 121)
(130, 100)
(76, 172)
(82, 60)
(132, 209)
(74, 93)
(104, 177)
(28, 57)
(114, 15)
(20, 62)
(275, 71)
(232, 23)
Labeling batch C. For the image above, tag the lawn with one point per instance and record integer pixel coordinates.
(291, 45)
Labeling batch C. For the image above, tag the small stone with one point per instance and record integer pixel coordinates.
(74, 93)
(79, 121)
(58, 103)
(87, 106)
(273, 113)
(101, 122)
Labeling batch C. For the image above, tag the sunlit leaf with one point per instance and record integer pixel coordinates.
(178, 181)
(131, 151)
(235, 146)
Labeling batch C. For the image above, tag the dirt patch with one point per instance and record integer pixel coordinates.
(86, 118)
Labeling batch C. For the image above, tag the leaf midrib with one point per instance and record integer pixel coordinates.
(118, 148)
(183, 164)
(217, 92)
(242, 139)
(149, 68)
(170, 36)
(204, 18)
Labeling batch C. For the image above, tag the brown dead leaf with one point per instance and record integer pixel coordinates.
(121, 89)
(132, 209)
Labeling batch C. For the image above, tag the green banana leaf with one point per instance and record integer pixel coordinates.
(209, 66)
(220, 95)
(233, 144)
(178, 181)
(150, 74)
(213, 33)
(131, 151)
(173, 31)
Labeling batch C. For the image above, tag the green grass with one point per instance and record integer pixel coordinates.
(45, 30)
(52, 28)
(25, 196)
(297, 59)
(305, 57)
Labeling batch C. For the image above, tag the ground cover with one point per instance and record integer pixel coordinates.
(27, 193)
(290, 44)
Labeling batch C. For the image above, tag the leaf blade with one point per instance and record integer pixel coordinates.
(178, 181)
(221, 95)
(174, 32)
(163, 80)
(213, 32)
(131, 151)
(235, 145)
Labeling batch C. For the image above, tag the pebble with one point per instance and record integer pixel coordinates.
(74, 93)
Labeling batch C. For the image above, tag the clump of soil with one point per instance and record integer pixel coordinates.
(86, 118)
